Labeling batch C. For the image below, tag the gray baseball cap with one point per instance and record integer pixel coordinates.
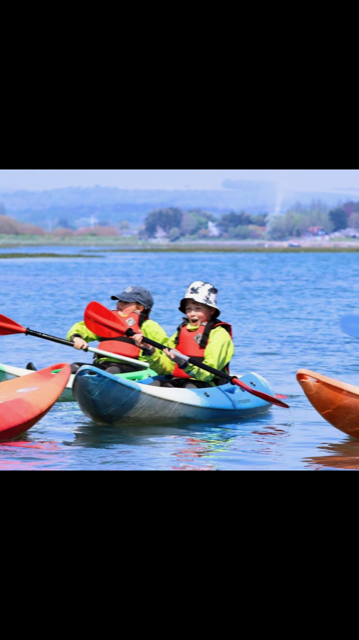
(136, 294)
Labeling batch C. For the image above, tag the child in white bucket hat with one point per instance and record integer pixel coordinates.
(201, 335)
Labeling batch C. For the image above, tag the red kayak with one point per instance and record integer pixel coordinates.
(24, 401)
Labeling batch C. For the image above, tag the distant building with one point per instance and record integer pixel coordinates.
(86, 222)
(213, 230)
(128, 233)
(346, 233)
(315, 232)
(161, 234)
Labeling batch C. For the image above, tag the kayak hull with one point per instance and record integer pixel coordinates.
(337, 402)
(27, 399)
(8, 372)
(107, 399)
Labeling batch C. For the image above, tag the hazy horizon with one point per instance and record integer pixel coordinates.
(306, 180)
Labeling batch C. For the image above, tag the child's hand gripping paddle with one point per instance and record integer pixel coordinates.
(9, 327)
(99, 319)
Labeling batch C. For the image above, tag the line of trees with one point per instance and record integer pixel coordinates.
(299, 219)
(344, 216)
(9, 226)
(173, 223)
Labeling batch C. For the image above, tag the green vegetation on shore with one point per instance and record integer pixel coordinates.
(231, 249)
(186, 249)
(6, 256)
(12, 240)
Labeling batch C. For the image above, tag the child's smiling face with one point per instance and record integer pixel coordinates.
(198, 313)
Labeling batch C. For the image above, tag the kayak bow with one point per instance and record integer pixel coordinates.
(25, 400)
(337, 402)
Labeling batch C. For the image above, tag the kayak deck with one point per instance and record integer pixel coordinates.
(337, 402)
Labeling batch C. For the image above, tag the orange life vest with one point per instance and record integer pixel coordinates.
(194, 343)
(124, 346)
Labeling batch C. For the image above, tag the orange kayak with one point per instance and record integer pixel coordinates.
(337, 402)
(24, 401)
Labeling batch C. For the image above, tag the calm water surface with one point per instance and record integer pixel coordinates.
(285, 311)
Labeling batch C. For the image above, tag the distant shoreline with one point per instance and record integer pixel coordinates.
(111, 244)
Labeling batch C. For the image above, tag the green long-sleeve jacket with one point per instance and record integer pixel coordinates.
(218, 353)
(150, 329)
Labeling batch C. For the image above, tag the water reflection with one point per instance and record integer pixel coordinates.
(22, 444)
(270, 431)
(92, 434)
(342, 456)
(179, 447)
(215, 448)
(24, 455)
(194, 452)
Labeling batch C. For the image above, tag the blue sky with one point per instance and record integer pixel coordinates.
(293, 179)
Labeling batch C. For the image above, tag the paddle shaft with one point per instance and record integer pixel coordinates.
(216, 372)
(44, 336)
(68, 343)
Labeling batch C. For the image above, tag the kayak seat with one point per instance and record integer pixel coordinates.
(30, 366)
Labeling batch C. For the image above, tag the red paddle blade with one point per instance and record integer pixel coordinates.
(8, 326)
(260, 394)
(103, 322)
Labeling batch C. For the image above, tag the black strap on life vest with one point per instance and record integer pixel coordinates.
(212, 325)
(184, 323)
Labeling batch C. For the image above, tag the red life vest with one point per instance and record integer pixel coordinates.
(124, 346)
(194, 343)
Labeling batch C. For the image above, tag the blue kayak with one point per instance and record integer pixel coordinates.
(109, 399)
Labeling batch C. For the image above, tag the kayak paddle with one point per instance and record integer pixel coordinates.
(350, 325)
(98, 318)
(102, 321)
(9, 327)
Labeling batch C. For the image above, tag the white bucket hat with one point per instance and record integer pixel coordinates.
(202, 292)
